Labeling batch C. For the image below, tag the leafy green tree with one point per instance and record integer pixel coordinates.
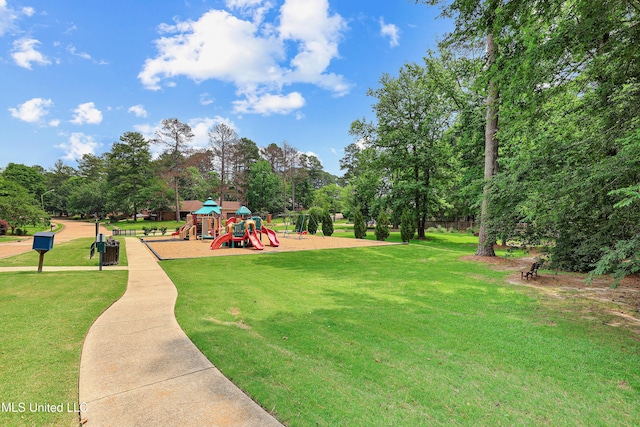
(174, 137)
(382, 227)
(129, 172)
(316, 216)
(330, 197)
(407, 226)
(18, 207)
(56, 178)
(263, 188)
(28, 177)
(327, 224)
(245, 154)
(359, 226)
(223, 140)
(88, 198)
(412, 116)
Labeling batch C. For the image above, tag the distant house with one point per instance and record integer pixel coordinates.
(229, 209)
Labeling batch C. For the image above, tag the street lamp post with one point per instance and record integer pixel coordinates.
(42, 197)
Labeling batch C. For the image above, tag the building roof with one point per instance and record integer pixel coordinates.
(208, 207)
(190, 205)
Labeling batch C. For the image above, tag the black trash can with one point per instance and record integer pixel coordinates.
(111, 254)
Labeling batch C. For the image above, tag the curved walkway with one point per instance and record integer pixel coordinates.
(139, 368)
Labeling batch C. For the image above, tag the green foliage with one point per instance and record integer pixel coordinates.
(301, 223)
(263, 189)
(621, 261)
(315, 218)
(359, 226)
(18, 207)
(327, 223)
(382, 227)
(407, 226)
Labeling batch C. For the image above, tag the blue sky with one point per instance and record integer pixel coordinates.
(77, 74)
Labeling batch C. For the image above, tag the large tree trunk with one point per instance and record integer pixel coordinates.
(175, 191)
(486, 242)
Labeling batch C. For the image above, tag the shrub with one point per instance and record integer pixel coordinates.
(407, 226)
(359, 227)
(301, 224)
(315, 217)
(163, 230)
(327, 223)
(382, 227)
(146, 230)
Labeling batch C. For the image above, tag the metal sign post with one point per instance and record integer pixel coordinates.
(101, 245)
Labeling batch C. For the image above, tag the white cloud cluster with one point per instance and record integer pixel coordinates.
(87, 113)
(259, 58)
(138, 110)
(7, 18)
(32, 111)
(78, 145)
(25, 52)
(391, 31)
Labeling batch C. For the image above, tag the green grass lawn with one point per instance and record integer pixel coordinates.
(405, 335)
(73, 253)
(43, 321)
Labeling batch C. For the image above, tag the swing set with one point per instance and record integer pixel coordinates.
(298, 221)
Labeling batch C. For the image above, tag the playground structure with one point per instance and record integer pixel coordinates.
(245, 231)
(205, 223)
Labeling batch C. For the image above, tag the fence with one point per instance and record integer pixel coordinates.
(457, 225)
(118, 232)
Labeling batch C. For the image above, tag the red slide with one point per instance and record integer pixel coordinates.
(255, 241)
(218, 241)
(273, 239)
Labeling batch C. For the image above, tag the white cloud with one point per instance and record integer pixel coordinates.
(24, 53)
(72, 49)
(33, 110)
(391, 31)
(318, 34)
(54, 123)
(257, 9)
(87, 113)
(206, 99)
(138, 110)
(267, 104)
(78, 145)
(252, 54)
(217, 46)
(7, 18)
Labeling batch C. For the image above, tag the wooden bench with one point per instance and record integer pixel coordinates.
(533, 271)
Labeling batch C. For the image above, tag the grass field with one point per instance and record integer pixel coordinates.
(73, 253)
(404, 335)
(43, 321)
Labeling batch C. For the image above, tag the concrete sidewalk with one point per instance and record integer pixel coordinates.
(138, 367)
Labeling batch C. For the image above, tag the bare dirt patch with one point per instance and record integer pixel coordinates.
(176, 248)
(615, 306)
